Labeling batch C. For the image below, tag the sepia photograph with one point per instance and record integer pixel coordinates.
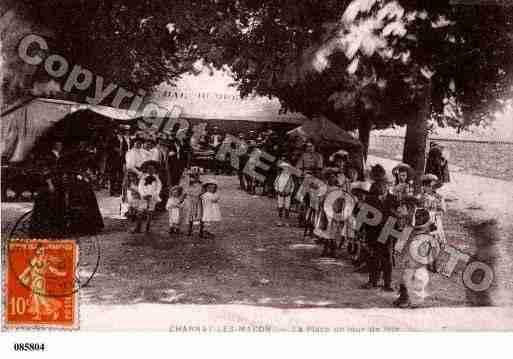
(314, 167)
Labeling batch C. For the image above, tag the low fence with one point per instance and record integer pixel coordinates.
(485, 158)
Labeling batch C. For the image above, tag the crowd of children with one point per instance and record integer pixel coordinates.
(331, 220)
(195, 205)
(333, 224)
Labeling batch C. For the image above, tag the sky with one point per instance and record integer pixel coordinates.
(220, 100)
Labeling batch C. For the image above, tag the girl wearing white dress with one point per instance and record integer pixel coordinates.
(192, 206)
(133, 197)
(149, 189)
(210, 203)
(174, 206)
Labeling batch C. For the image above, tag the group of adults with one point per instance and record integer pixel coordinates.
(269, 142)
(170, 153)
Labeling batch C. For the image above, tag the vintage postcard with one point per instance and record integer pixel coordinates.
(310, 167)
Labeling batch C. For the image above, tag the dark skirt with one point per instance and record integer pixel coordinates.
(71, 210)
(48, 216)
(83, 210)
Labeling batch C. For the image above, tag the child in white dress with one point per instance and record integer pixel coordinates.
(210, 203)
(149, 189)
(192, 207)
(284, 186)
(133, 197)
(174, 206)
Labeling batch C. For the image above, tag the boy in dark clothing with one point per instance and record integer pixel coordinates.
(381, 254)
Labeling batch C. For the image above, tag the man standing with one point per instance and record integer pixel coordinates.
(162, 150)
(116, 151)
(243, 158)
(175, 160)
(437, 163)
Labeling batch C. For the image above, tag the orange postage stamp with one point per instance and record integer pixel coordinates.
(40, 284)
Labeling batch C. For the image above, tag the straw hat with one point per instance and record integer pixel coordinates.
(175, 188)
(209, 181)
(149, 163)
(402, 167)
(361, 185)
(194, 171)
(429, 177)
(421, 219)
(339, 153)
(285, 166)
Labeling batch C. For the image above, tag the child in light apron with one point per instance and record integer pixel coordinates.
(284, 186)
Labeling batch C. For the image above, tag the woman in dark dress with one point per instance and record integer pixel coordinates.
(438, 164)
(47, 220)
(83, 212)
(66, 203)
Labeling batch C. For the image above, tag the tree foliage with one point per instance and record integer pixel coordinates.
(374, 57)
(349, 60)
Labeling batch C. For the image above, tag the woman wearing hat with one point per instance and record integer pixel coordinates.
(135, 157)
(438, 164)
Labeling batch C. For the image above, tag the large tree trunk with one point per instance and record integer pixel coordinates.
(364, 129)
(414, 152)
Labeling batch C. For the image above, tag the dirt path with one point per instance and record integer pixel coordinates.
(251, 261)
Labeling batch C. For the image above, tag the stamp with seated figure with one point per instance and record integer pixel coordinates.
(40, 284)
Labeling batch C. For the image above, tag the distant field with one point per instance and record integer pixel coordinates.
(487, 159)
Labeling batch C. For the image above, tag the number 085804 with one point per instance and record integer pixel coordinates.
(29, 347)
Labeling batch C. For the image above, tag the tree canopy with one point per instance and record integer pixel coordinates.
(348, 60)
(345, 57)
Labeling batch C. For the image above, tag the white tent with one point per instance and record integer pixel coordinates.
(23, 124)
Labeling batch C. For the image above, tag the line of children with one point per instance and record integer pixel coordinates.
(396, 200)
(197, 205)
